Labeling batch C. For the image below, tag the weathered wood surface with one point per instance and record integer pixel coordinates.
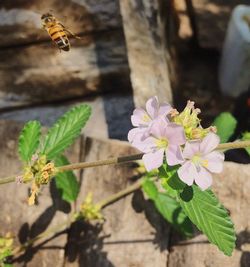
(40, 73)
(232, 188)
(110, 115)
(133, 234)
(144, 28)
(22, 220)
(20, 21)
(132, 230)
(48, 114)
(211, 19)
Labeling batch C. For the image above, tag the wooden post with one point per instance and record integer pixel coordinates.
(144, 27)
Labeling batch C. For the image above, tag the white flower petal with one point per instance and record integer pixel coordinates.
(209, 143)
(152, 107)
(187, 173)
(136, 133)
(174, 155)
(204, 179)
(214, 161)
(153, 160)
(190, 149)
(138, 118)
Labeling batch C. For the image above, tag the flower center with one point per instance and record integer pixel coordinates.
(162, 143)
(146, 118)
(199, 161)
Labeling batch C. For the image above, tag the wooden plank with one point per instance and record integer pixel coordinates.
(133, 233)
(232, 188)
(39, 73)
(20, 21)
(110, 115)
(22, 220)
(144, 27)
(48, 114)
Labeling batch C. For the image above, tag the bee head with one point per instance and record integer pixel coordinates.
(47, 17)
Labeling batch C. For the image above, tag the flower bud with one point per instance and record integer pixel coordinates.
(188, 118)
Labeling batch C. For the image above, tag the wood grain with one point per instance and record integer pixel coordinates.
(24, 221)
(133, 233)
(20, 21)
(40, 73)
(144, 27)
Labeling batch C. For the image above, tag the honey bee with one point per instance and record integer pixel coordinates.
(57, 31)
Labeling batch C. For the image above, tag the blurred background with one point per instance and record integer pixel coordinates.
(130, 50)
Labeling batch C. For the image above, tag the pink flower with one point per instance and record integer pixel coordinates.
(143, 119)
(164, 138)
(200, 161)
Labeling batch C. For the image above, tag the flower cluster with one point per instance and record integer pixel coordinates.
(40, 171)
(90, 211)
(162, 132)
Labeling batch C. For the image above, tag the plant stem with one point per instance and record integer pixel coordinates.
(111, 199)
(8, 179)
(49, 232)
(233, 145)
(54, 230)
(124, 159)
(83, 165)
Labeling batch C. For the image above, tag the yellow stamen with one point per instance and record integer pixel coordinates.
(197, 160)
(146, 118)
(205, 163)
(161, 143)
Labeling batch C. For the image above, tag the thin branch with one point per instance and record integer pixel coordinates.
(8, 179)
(113, 198)
(83, 165)
(44, 234)
(54, 230)
(110, 199)
(124, 159)
(233, 145)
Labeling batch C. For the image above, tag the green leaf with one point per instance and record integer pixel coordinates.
(169, 208)
(225, 124)
(66, 182)
(205, 211)
(29, 140)
(150, 189)
(170, 179)
(246, 137)
(64, 132)
(4, 254)
(166, 171)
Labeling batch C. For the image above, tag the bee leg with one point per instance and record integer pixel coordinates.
(73, 35)
(70, 32)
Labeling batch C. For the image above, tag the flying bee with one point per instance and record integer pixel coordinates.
(57, 31)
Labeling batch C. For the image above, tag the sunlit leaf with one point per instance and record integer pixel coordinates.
(66, 182)
(206, 212)
(64, 132)
(29, 140)
(169, 208)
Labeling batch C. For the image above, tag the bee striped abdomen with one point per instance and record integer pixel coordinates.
(59, 36)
